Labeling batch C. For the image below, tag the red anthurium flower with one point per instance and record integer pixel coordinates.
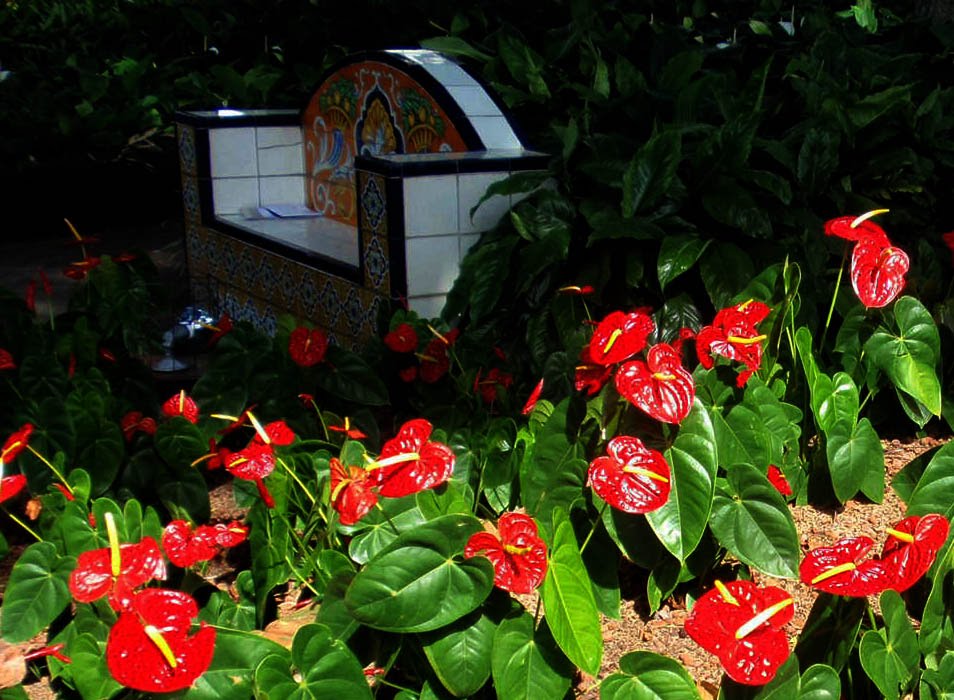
(185, 547)
(434, 361)
(948, 239)
(631, 477)
(574, 290)
(533, 398)
(402, 339)
(221, 328)
(30, 296)
(150, 648)
(518, 554)
(660, 386)
(10, 486)
(6, 360)
(351, 433)
(589, 376)
(134, 422)
(66, 493)
(733, 335)
(307, 346)
(256, 461)
(78, 270)
(912, 546)
(778, 480)
(229, 534)
(352, 492)
(877, 272)
(181, 405)
(488, 386)
(856, 228)
(741, 623)
(409, 463)
(408, 374)
(116, 571)
(619, 336)
(842, 569)
(45, 282)
(16, 443)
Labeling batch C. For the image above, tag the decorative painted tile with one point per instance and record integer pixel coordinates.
(308, 295)
(267, 276)
(375, 263)
(373, 203)
(354, 311)
(329, 303)
(190, 198)
(248, 269)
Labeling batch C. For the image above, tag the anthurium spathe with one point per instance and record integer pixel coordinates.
(307, 346)
(631, 477)
(517, 552)
(842, 569)
(352, 492)
(878, 272)
(912, 546)
(181, 404)
(6, 360)
(619, 336)
(402, 339)
(10, 486)
(16, 443)
(660, 386)
(186, 547)
(742, 623)
(150, 647)
(590, 377)
(733, 335)
(409, 462)
(856, 228)
(254, 463)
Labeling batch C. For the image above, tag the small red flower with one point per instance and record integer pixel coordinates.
(274, 433)
(518, 554)
(221, 328)
(71, 366)
(574, 290)
(733, 335)
(30, 296)
(351, 433)
(778, 480)
(620, 336)
(181, 405)
(912, 547)
(352, 493)
(660, 386)
(67, 494)
(742, 623)
(402, 339)
(590, 377)
(533, 398)
(631, 477)
(434, 361)
(124, 257)
(116, 572)
(106, 355)
(488, 386)
(409, 463)
(408, 374)
(842, 569)
(6, 360)
(16, 443)
(877, 272)
(10, 486)
(150, 648)
(307, 346)
(134, 422)
(948, 239)
(185, 547)
(79, 270)
(230, 534)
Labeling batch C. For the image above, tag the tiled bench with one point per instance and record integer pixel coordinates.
(384, 165)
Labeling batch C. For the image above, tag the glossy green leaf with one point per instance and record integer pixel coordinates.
(179, 442)
(820, 682)
(420, 581)
(751, 519)
(568, 600)
(229, 677)
(460, 653)
(680, 522)
(651, 172)
(320, 667)
(890, 656)
(347, 376)
(644, 675)
(526, 662)
(835, 401)
(454, 46)
(677, 254)
(225, 611)
(934, 492)
(938, 683)
(910, 358)
(36, 593)
(830, 631)
(333, 612)
(381, 527)
(853, 455)
(725, 270)
(88, 668)
(937, 620)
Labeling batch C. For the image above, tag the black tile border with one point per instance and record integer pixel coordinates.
(397, 242)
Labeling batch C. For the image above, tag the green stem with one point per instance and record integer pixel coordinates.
(23, 525)
(301, 579)
(52, 468)
(589, 536)
(298, 481)
(388, 518)
(871, 617)
(834, 298)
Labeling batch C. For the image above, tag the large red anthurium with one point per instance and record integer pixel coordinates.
(741, 623)
(842, 569)
(877, 272)
(660, 386)
(352, 493)
(619, 336)
(631, 477)
(912, 547)
(856, 228)
(409, 462)
(518, 554)
(150, 647)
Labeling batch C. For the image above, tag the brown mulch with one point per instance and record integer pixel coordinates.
(636, 630)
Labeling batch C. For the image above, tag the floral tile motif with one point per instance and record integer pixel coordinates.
(375, 263)
(330, 303)
(288, 286)
(248, 268)
(267, 276)
(190, 198)
(373, 203)
(308, 295)
(355, 312)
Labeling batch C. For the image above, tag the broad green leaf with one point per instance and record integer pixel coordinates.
(934, 492)
(910, 358)
(644, 675)
(333, 612)
(420, 582)
(320, 667)
(938, 684)
(269, 539)
(752, 520)
(460, 653)
(830, 631)
(725, 270)
(853, 455)
(229, 677)
(179, 442)
(88, 668)
(101, 453)
(224, 611)
(820, 682)
(454, 46)
(381, 527)
(526, 663)
(680, 522)
(937, 621)
(677, 254)
(906, 480)
(36, 593)
(651, 172)
(346, 376)
(835, 401)
(817, 159)
(890, 656)
(568, 600)
(731, 203)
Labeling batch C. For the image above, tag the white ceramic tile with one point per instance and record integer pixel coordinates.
(429, 306)
(282, 189)
(495, 132)
(472, 187)
(449, 73)
(431, 264)
(474, 100)
(430, 205)
(467, 241)
(269, 136)
(281, 160)
(232, 152)
(230, 194)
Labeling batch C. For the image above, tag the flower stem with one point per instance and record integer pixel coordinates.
(834, 298)
(53, 469)
(589, 536)
(388, 518)
(23, 525)
(298, 481)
